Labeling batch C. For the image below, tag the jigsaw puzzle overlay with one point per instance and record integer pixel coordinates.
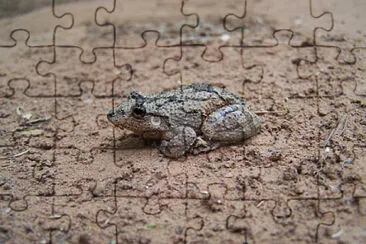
(68, 176)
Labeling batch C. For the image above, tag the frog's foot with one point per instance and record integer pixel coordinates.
(180, 143)
(202, 146)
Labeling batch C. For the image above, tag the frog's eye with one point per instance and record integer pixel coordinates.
(138, 112)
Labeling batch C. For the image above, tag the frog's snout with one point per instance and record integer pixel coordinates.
(111, 115)
(116, 115)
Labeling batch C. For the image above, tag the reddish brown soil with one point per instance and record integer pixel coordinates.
(68, 176)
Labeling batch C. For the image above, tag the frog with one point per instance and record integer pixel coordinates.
(191, 119)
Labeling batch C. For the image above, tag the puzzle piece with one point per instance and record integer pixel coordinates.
(228, 72)
(290, 168)
(341, 159)
(303, 112)
(345, 208)
(33, 224)
(86, 126)
(124, 17)
(147, 65)
(41, 29)
(122, 155)
(76, 129)
(262, 222)
(87, 34)
(30, 173)
(81, 212)
(132, 224)
(218, 168)
(254, 221)
(345, 25)
(70, 72)
(341, 132)
(146, 180)
(262, 18)
(211, 30)
(301, 218)
(272, 114)
(331, 78)
(272, 93)
(214, 211)
(281, 174)
(100, 164)
(280, 79)
(27, 57)
(87, 178)
(27, 152)
(27, 120)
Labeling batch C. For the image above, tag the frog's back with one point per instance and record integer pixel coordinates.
(189, 105)
(204, 92)
(201, 92)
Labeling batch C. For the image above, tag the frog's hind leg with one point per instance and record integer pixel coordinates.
(231, 124)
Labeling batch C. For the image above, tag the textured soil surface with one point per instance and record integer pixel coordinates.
(68, 176)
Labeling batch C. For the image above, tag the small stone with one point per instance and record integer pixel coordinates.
(300, 188)
(228, 175)
(275, 155)
(225, 37)
(348, 161)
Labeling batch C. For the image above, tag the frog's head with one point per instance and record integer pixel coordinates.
(133, 115)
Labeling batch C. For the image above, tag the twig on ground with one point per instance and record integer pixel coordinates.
(341, 122)
(15, 155)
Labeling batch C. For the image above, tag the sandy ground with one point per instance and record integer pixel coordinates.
(68, 176)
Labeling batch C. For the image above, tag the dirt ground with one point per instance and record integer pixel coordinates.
(68, 176)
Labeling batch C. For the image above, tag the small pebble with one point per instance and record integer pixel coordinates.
(228, 175)
(348, 161)
(225, 37)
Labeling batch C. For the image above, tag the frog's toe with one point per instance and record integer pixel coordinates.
(202, 146)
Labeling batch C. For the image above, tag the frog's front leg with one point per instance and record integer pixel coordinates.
(231, 124)
(179, 143)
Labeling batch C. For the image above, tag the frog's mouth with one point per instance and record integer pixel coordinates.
(112, 116)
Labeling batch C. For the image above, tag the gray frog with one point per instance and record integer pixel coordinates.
(190, 119)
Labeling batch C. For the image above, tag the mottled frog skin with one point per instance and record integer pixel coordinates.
(190, 119)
